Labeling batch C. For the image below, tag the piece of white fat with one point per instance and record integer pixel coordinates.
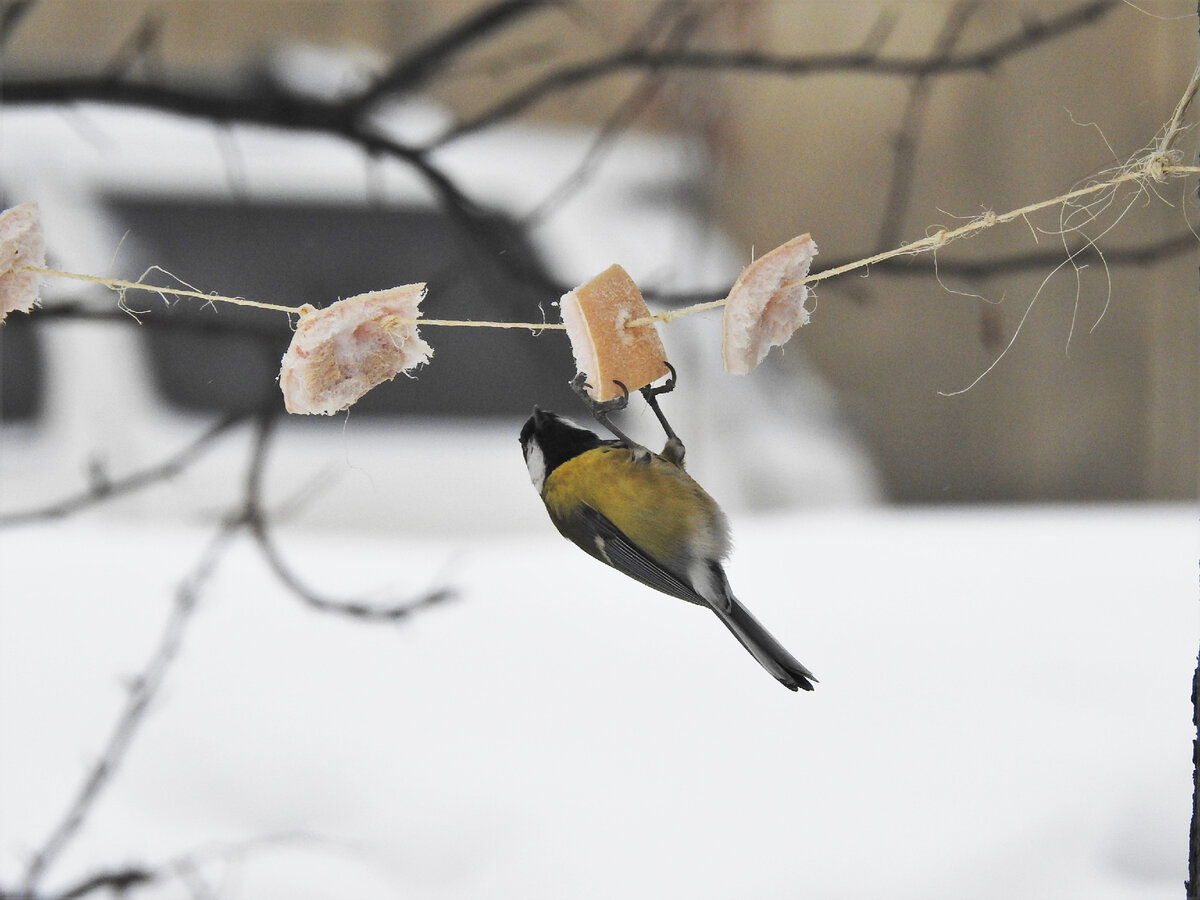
(339, 353)
(21, 244)
(765, 306)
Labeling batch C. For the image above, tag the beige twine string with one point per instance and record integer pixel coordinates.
(1155, 166)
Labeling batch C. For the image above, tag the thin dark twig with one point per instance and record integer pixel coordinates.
(924, 267)
(341, 118)
(293, 112)
(187, 868)
(307, 113)
(117, 882)
(1192, 885)
(11, 14)
(141, 693)
(881, 30)
(912, 121)
(432, 57)
(391, 611)
(136, 47)
(497, 235)
(569, 77)
(104, 489)
(257, 522)
(627, 112)
(1083, 253)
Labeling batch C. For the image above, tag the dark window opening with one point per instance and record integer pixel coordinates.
(22, 369)
(227, 358)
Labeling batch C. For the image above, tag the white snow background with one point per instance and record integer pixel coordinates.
(1003, 712)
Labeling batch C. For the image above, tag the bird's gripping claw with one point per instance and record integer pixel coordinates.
(673, 450)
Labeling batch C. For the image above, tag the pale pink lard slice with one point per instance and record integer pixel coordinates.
(21, 244)
(339, 353)
(766, 304)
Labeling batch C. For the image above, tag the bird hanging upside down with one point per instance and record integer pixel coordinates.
(642, 514)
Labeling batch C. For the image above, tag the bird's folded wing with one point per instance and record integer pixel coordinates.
(624, 555)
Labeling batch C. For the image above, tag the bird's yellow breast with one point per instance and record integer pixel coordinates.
(656, 504)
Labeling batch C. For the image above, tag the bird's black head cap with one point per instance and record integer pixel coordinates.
(557, 439)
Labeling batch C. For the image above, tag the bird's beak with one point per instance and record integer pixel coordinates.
(538, 417)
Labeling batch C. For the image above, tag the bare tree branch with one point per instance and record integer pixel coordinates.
(286, 110)
(290, 112)
(136, 47)
(1082, 254)
(103, 488)
(117, 881)
(11, 14)
(1192, 885)
(254, 517)
(146, 686)
(912, 120)
(925, 267)
(186, 868)
(567, 78)
(686, 20)
(432, 57)
(141, 693)
(345, 119)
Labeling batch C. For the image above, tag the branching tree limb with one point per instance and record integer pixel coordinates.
(141, 693)
(1192, 885)
(682, 23)
(349, 119)
(256, 520)
(250, 517)
(103, 488)
(419, 67)
(567, 78)
(912, 120)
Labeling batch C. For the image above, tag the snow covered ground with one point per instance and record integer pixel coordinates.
(1003, 712)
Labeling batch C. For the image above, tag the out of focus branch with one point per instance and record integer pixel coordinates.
(1192, 885)
(432, 57)
(117, 881)
(185, 868)
(344, 118)
(1083, 254)
(255, 519)
(350, 119)
(929, 267)
(570, 77)
(681, 22)
(912, 120)
(252, 518)
(103, 488)
(141, 693)
(11, 14)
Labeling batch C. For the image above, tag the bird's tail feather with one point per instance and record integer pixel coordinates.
(770, 654)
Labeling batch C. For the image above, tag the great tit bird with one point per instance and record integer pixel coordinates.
(642, 514)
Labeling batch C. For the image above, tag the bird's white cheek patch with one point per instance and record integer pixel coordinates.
(536, 462)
